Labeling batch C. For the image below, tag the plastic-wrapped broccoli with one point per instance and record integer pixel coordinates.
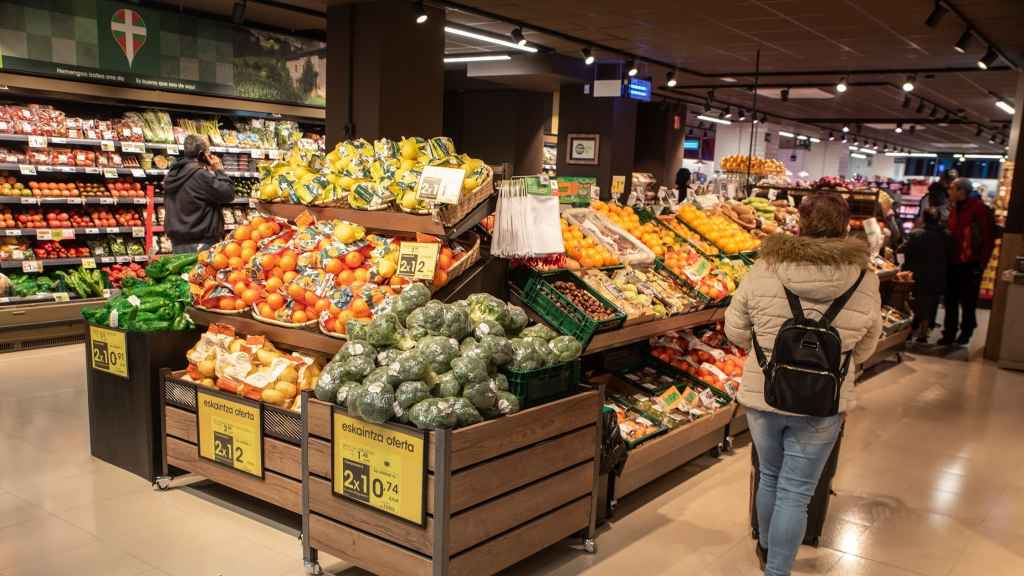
(517, 320)
(466, 413)
(380, 375)
(414, 296)
(356, 330)
(541, 331)
(355, 395)
(565, 348)
(488, 327)
(356, 368)
(481, 395)
(408, 338)
(499, 349)
(524, 356)
(383, 329)
(409, 365)
(327, 384)
(407, 395)
(499, 383)
(540, 347)
(343, 391)
(486, 307)
(448, 385)
(508, 403)
(354, 348)
(387, 356)
(456, 323)
(467, 342)
(434, 414)
(377, 403)
(430, 317)
(469, 369)
(478, 351)
(439, 351)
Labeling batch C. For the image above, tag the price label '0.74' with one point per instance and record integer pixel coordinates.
(230, 431)
(380, 465)
(418, 260)
(108, 350)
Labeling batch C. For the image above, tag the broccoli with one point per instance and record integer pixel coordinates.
(448, 385)
(434, 414)
(383, 329)
(486, 307)
(355, 395)
(376, 403)
(517, 320)
(430, 317)
(354, 348)
(466, 413)
(499, 383)
(343, 391)
(541, 350)
(408, 366)
(508, 403)
(409, 394)
(541, 331)
(380, 376)
(481, 395)
(488, 327)
(356, 330)
(327, 384)
(456, 323)
(469, 369)
(478, 351)
(565, 348)
(356, 368)
(414, 296)
(387, 356)
(408, 338)
(439, 351)
(524, 356)
(499, 349)
(467, 342)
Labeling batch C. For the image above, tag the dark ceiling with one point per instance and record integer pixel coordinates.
(806, 45)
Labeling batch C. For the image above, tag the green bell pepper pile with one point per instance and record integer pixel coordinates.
(145, 307)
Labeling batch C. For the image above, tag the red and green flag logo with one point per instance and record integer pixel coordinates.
(129, 30)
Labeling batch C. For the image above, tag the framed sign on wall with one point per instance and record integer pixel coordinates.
(583, 149)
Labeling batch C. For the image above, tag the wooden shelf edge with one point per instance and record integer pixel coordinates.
(306, 339)
(637, 332)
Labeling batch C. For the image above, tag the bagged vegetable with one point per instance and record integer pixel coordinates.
(376, 403)
(508, 403)
(409, 365)
(498, 348)
(355, 348)
(356, 368)
(488, 327)
(524, 356)
(430, 317)
(383, 330)
(439, 351)
(481, 395)
(407, 395)
(541, 331)
(465, 413)
(565, 348)
(517, 320)
(468, 370)
(434, 414)
(326, 388)
(343, 391)
(448, 385)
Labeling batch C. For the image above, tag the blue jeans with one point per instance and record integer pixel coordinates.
(792, 452)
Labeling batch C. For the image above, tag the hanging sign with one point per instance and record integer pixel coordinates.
(441, 185)
(230, 431)
(109, 351)
(380, 465)
(418, 260)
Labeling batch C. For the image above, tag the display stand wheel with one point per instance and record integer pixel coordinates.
(728, 444)
(167, 482)
(716, 452)
(590, 546)
(162, 483)
(313, 568)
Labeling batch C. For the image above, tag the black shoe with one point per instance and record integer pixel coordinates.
(964, 339)
(945, 341)
(762, 554)
(921, 339)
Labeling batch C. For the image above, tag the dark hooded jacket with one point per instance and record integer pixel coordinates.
(194, 195)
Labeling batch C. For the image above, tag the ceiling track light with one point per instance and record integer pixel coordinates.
(487, 38)
(989, 58)
(899, 127)
(938, 11)
(518, 38)
(713, 120)
(1005, 106)
(965, 39)
(784, 94)
(844, 139)
(992, 139)
(786, 134)
(728, 112)
(841, 86)
(908, 84)
(846, 128)
(831, 137)
(743, 115)
(588, 56)
(670, 78)
(631, 69)
(421, 13)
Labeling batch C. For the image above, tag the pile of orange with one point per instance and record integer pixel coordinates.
(584, 249)
(622, 216)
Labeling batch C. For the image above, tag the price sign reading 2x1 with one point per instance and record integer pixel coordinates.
(109, 351)
(231, 431)
(418, 260)
(380, 465)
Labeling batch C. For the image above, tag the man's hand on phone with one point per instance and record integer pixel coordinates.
(214, 162)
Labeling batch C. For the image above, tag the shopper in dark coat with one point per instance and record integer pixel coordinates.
(682, 183)
(926, 253)
(972, 228)
(195, 189)
(938, 196)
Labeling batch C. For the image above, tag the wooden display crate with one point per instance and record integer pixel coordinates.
(281, 484)
(497, 493)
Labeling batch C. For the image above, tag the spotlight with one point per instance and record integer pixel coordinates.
(992, 139)
(920, 107)
(961, 44)
(670, 78)
(899, 127)
(421, 13)
(1004, 106)
(728, 113)
(238, 12)
(846, 128)
(588, 56)
(785, 94)
(743, 115)
(841, 87)
(518, 38)
(986, 61)
(856, 141)
(936, 15)
(844, 139)
(906, 101)
(631, 69)
(908, 84)
(831, 137)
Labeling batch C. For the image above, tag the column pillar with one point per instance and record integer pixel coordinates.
(386, 75)
(613, 119)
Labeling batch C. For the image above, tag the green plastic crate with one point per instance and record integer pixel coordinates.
(541, 296)
(536, 387)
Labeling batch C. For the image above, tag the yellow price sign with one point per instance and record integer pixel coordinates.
(230, 431)
(108, 350)
(380, 465)
(418, 260)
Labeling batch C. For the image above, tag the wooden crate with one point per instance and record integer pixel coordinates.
(282, 448)
(738, 424)
(661, 455)
(497, 493)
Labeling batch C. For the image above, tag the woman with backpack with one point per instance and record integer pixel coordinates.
(811, 311)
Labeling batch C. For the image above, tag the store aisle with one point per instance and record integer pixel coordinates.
(929, 484)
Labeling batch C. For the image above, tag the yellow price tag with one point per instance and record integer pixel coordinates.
(380, 465)
(88, 263)
(231, 431)
(418, 260)
(109, 351)
(670, 398)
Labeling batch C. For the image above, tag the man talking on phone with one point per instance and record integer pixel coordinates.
(195, 188)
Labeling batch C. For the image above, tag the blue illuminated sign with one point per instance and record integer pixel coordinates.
(691, 144)
(638, 89)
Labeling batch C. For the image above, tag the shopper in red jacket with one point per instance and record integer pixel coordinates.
(971, 226)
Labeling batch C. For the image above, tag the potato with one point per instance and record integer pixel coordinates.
(236, 345)
(290, 374)
(267, 357)
(289, 389)
(272, 396)
(207, 368)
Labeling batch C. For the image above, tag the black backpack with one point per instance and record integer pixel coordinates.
(806, 372)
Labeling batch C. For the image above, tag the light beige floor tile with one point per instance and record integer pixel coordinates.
(14, 510)
(850, 565)
(24, 544)
(103, 482)
(992, 554)
(93, 559)
(926, 543)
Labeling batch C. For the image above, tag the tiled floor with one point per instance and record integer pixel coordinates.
(930, 483)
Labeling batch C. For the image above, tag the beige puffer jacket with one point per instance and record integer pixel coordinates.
(817, 270)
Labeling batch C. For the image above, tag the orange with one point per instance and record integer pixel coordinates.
(330, 325)
(209, 283)
(354, 259)
(311, 298)
(298, 306)
(288, 261)
(378, 297)
(235, 277)
(274, 284)
(322, 305)
(256, 221)
(333, 308)
(219, 261)
(290, 275)
(275, 301)
(333, 266)
(362, 275)
(247, 254)
(233, 249)
(344, 317)
(242, 233)
(249, 244)
(397, 281)
(239, 287)
(386, 268)
(299, 317)
(240, 304)
(277, 272)
(296, 292)
(265, 310)
(444, 261)
(255, 236)
(236, 262)
(360, 309)
(440, 278)
(266, 230)
(345, 278)
(250, 295)
(204, 256)
(226, 303)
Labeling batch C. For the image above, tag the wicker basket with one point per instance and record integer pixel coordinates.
(256, 316)
(219, 311)
(450, 215)
(471, 241)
